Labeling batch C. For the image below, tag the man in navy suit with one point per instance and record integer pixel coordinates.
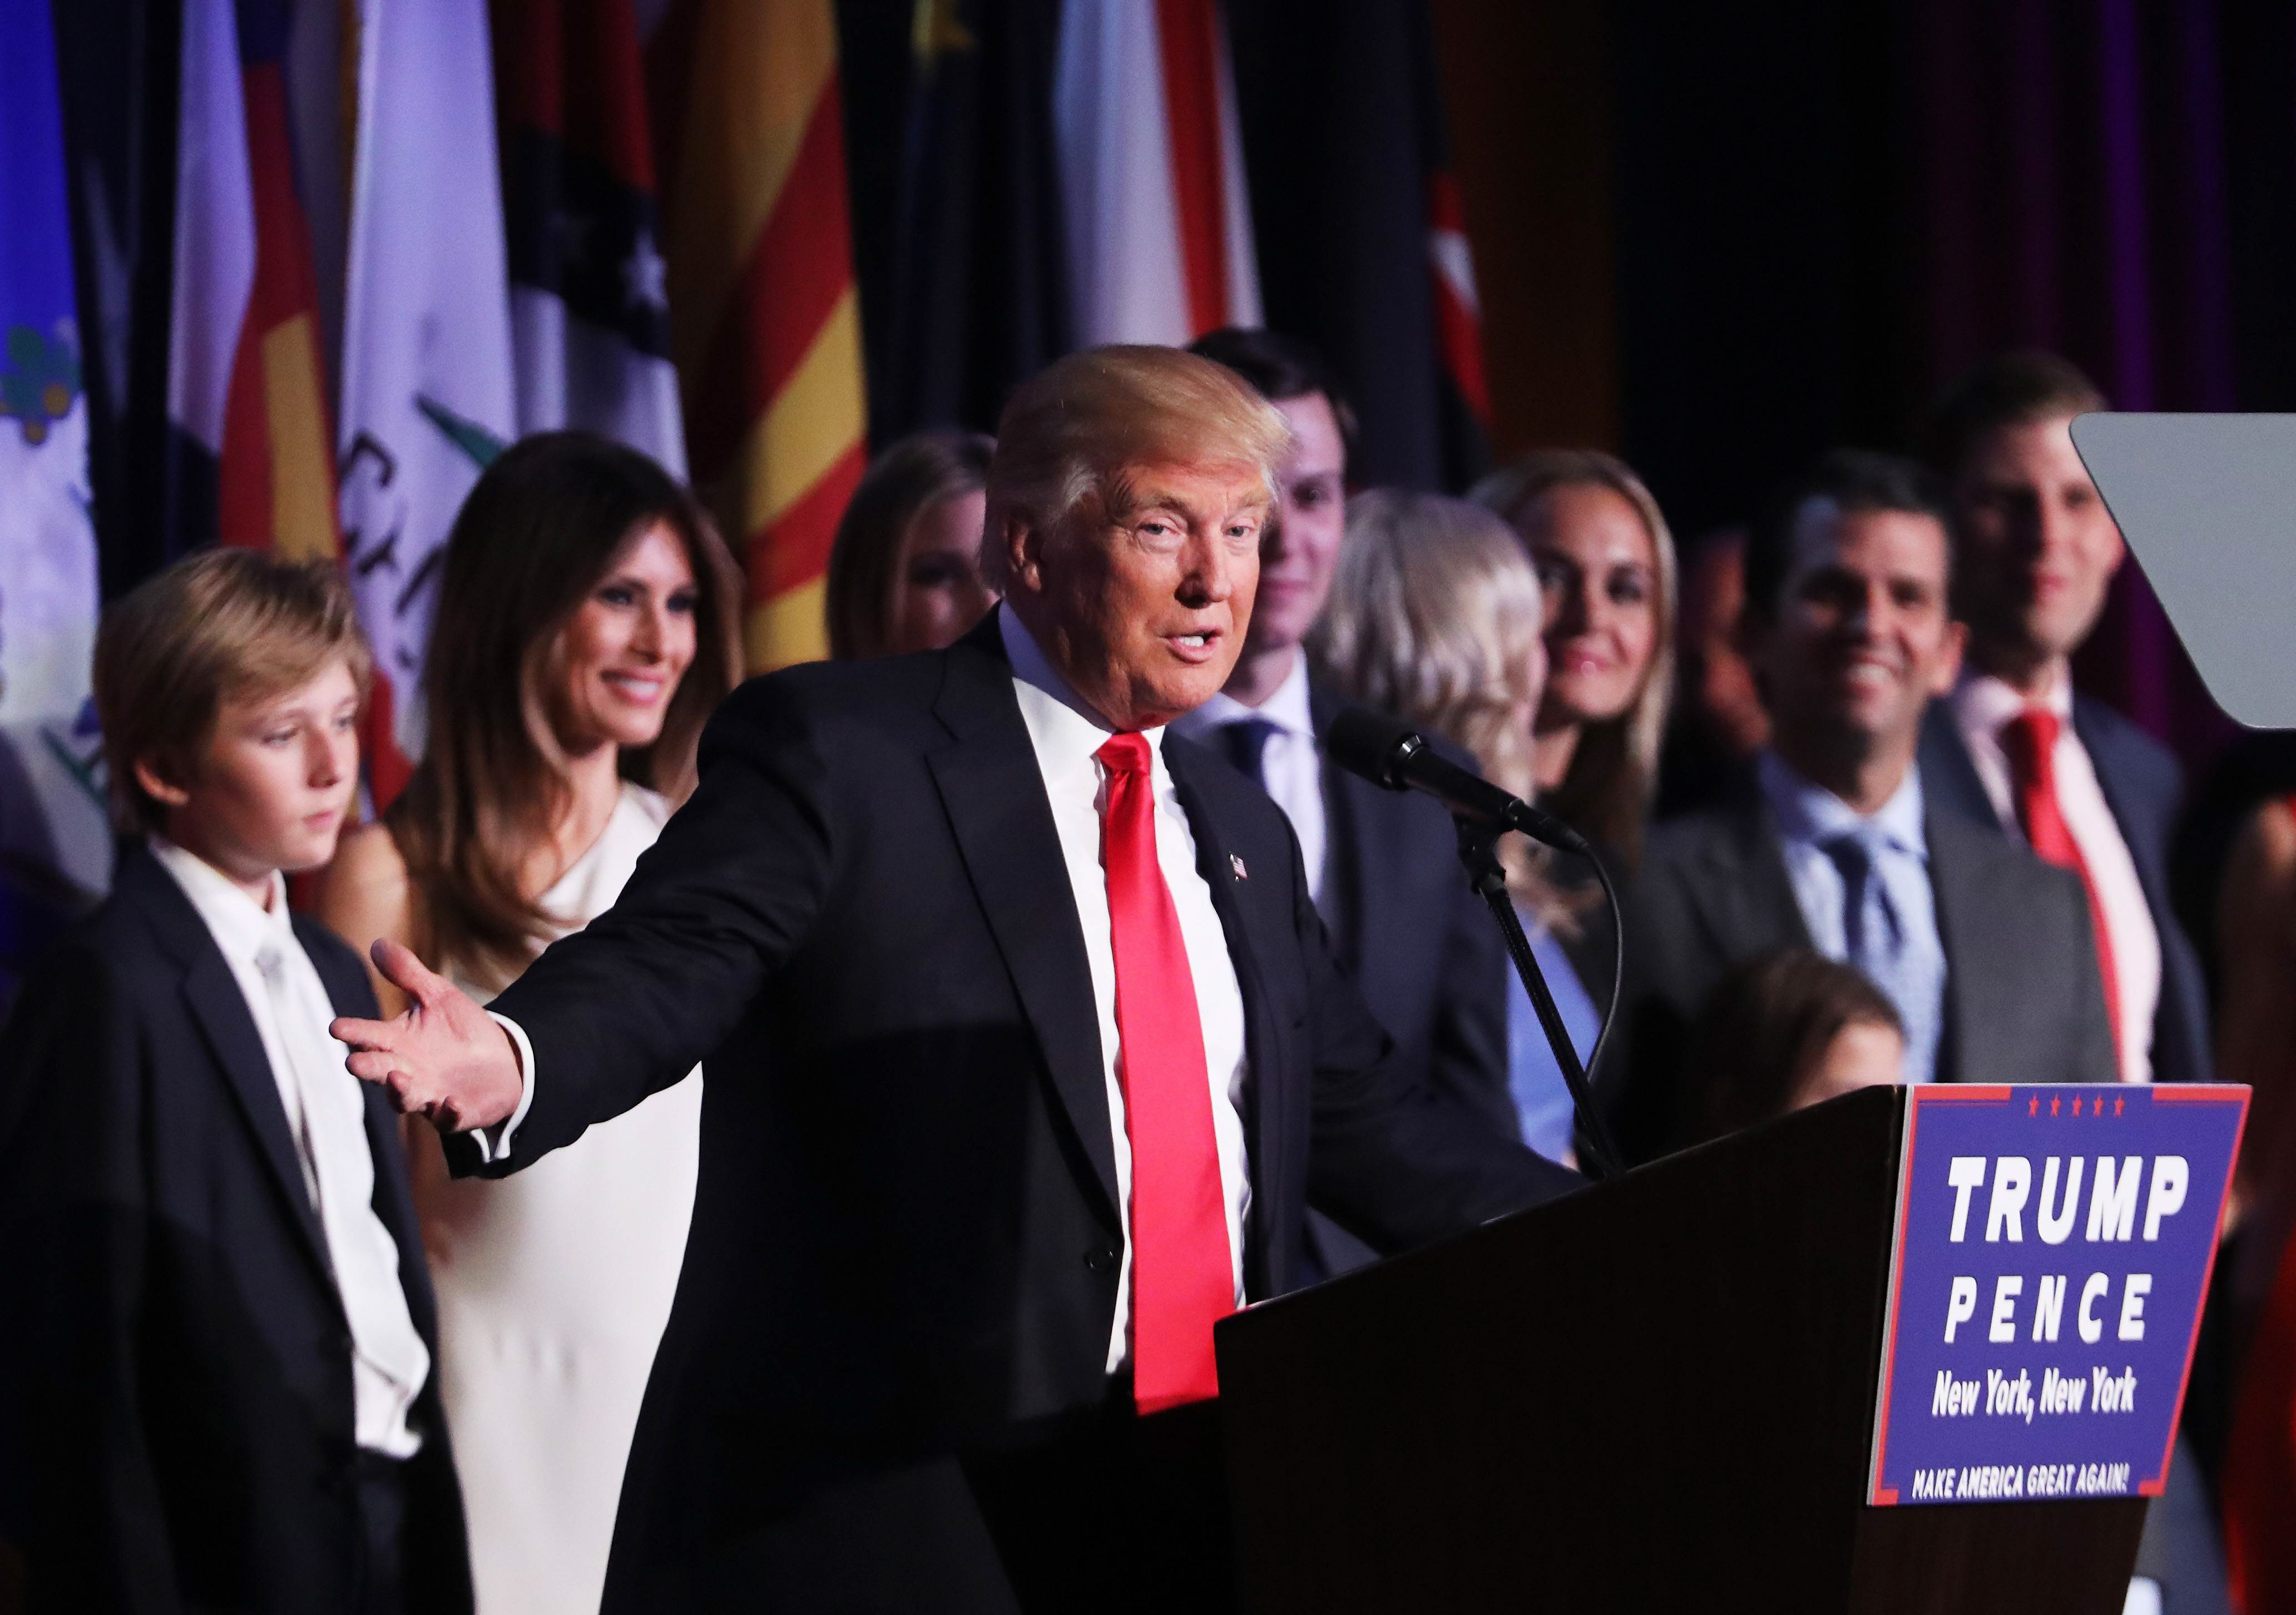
(1382, 867)
(2015, 747)
(1025, 1053)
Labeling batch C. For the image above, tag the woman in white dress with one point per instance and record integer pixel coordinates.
(585, 627)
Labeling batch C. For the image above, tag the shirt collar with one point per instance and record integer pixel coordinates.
(240, 929)
(1810, 814)
(1061, 722)
(1288, 708)
(1983, 703)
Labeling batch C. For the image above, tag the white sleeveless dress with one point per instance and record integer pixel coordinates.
(553, 1285)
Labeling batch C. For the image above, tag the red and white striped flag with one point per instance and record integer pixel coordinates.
(1151, 172)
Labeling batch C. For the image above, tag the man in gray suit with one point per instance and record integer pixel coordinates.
(1984, 949)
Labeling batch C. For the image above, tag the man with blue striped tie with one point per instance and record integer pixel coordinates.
(1983, 949)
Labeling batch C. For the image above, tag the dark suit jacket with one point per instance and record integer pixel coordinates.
(2145, 787)
(2023, 1000)
(175, 1362)
(905, 1241)
(1404, 924)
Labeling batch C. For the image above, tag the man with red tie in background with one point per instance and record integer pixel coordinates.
(2014, 747)
(1023, 1051)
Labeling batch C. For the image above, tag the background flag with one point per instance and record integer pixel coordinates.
(245, 390)
(427, 391)
(55, 850)
(979, 296)
(764, 312)
(1361, 238)
(588, 285)
(1160, 228)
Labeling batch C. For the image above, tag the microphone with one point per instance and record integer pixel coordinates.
(1390, 753)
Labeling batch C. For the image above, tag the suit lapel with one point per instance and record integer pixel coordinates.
(1263, 1114)
(1948, 772)
(2099, 745)
(212, 995)
(1748, 903)
(992, 789)
(1990, 996)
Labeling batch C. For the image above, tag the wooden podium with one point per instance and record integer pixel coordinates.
(1654, 1396)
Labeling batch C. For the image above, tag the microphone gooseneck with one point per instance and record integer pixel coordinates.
(1394, 756)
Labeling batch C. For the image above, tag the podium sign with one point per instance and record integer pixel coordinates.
(2051, 1254)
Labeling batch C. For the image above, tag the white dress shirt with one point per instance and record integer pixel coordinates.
(1065, 733)
(1291, 768)
(1981, 706)
(325, 1109)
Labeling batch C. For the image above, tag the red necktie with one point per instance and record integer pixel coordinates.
(2029, 740)
(1182, 1279)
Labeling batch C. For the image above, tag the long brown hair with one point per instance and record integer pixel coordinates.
(1613, 772)
(536, 535)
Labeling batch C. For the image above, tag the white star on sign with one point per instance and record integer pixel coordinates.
(645, 275)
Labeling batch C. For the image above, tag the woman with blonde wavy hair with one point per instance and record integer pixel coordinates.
(1436, 617)
(1606, 567)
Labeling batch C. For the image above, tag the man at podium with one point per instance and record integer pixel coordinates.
(1023, 1053)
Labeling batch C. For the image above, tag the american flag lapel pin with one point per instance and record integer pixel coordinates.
(1236, 864)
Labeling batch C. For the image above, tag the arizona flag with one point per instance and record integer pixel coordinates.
(55, 844)
(427, 397)
(588, 294)
(764, 313)
(1151, 172)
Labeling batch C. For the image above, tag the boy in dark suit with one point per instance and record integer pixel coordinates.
(216, 1329)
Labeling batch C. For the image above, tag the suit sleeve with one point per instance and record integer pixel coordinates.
(1386, 1163)
(626, 1005)
(2093, 1052)
(1468, 1059)
(73, 1235)
(1641, 1085)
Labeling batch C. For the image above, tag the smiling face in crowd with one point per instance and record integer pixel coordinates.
(2039, 547)
(271, 787)
(1302, 550)
(1141, 601)
(1598, 574)
(1862, 637)
(938, 593)
(620, 658)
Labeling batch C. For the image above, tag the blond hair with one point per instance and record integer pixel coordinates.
(1613, 772)
(219, 625)
(1435, 616)
(1071, 429)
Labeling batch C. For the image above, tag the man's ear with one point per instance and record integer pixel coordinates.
(1023, 543)
(156, 785)
(1949, 669)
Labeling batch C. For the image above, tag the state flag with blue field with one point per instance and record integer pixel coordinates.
(55, 847)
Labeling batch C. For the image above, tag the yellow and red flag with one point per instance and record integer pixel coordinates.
(765, 319)
(251, 441)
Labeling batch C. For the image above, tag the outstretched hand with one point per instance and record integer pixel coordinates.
(445, 1059)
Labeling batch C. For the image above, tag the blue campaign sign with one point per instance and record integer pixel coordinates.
(2053, 1250)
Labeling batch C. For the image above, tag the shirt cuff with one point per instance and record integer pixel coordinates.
(494, 1141)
